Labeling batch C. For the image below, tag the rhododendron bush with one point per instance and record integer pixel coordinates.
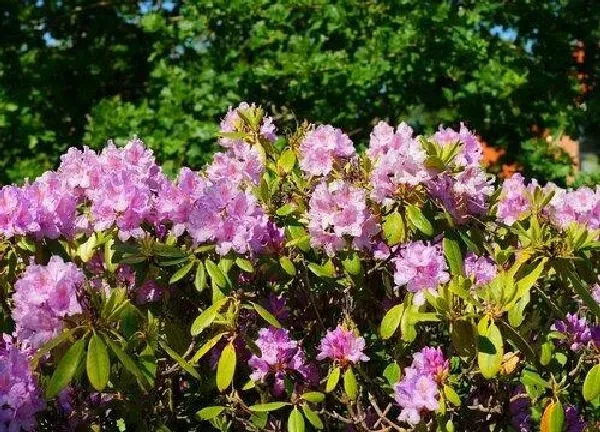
(295, 284)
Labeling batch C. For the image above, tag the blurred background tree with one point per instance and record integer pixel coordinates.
(77, 72)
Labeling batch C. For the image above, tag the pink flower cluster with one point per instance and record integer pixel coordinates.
(480, 269)
(280, 356)
(43, 297)
(120, 184)
(580, 206)
(20, 395)
(321, 147)
(338, 212)
(44, 208)
(471, 151)
(515, 199)
(418, 390)
(463, 193)
(233, 122)
(398, 160)
(421, 267)
(342, 345)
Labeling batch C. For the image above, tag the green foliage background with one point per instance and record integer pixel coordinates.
(78, 72)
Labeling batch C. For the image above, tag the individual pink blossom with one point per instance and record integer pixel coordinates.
(421, 267)
(43, 297)
(20, 394)
(338, 213)
(480, 268)
(342, 345)
(322, 147)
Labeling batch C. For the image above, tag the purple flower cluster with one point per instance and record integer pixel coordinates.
(418, 390)
(575, 423)
(519, 410)
(338, 211)
(43, 297)
(342, 345)
(398, 158)
(480, 269)
(321, 148)
(577, 331)
(20, 395)
(421, 267)
(581, 206)
(280, 356)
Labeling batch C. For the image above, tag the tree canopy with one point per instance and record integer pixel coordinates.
(80, 72)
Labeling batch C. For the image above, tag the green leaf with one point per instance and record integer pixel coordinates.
(98, 363)
(268, 407)
(295, 421)
(352, 264)
(287, 265)
(332, 380)
(244, 264)
(584, 293)
(266, 315)
(326, 270)
(182, 272)
(451, 395)
(64, 372)
(489, 360)
(286, 161)
(591, 385)
(312, 417)
(206, 318)
(391, 321)
(226, 367)
(418, 220)
(286, 209)
(215, 273)
(553, 417)
(463, 338)
(393, 229)
(546, 353)
(314, 397)
(210, 412)
(453, 255)
(41, 352)
(180, 360)
(200, 279)
(350, 384)
(127, 362)
(167, 251)
(392, 373)
(204, 349)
